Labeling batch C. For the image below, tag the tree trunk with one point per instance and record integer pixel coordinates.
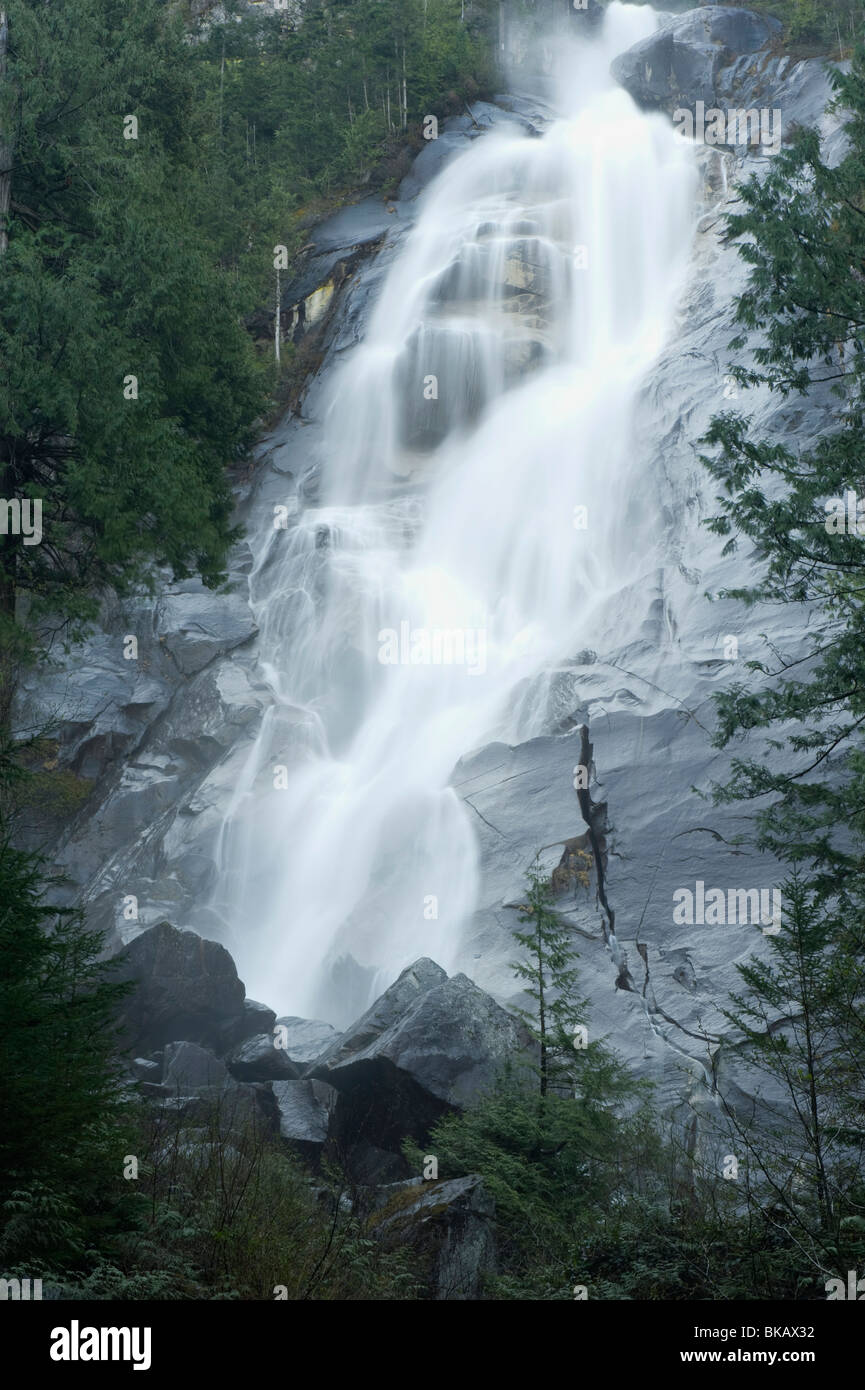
(221, 87)
(5, 144)
(8, 542)
(542, 1011)
(824, 1194)
(277, 320)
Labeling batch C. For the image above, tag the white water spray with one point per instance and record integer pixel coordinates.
(480, 520)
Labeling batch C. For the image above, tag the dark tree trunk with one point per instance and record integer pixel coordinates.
(5, 144)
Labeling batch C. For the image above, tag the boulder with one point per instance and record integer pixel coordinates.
(198, 1089)
(244, 1111)
(145, 1069)
(259, 1059)
(185, 987)
(679, 65)
(415, 980)
(200, 1148)
(305, 1039)
(188, 1067)
(260, 1017)
(448, 1225)
(369, 1165)
(305, 1109)
(428, 1046)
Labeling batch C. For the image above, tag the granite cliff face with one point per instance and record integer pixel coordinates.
(164, 739)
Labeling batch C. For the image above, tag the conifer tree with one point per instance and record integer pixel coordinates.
(127, 381)
(548, 968)
(802, 232)
(60, 1142)
(800, 1019)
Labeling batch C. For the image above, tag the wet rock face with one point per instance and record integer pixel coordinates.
(734, 31)
(649, 705)
(517, 279)
(195, 627)
(682, 63)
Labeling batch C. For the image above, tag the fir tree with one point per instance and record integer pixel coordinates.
(60, 1144)
(803, 234)
(801, 1021)
(549, 971)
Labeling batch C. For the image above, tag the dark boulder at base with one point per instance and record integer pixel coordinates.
(369, 1166)
(198, 1089)
(255, 1020)
(185, 987)
(414, 981)
(145, 1069)
(261, 1015)
(448, 1225)
(245, 1112)
(187, 1067)
(305, 1109)
(428, 1046)
(259, 1059)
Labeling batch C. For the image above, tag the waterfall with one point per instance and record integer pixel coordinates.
(480, 517)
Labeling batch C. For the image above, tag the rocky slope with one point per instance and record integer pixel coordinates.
(431, 1044)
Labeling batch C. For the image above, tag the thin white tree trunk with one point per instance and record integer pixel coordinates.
(277, 320)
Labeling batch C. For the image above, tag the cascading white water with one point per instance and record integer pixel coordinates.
(410, 614)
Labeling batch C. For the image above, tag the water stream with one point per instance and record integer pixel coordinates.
(480, 517)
